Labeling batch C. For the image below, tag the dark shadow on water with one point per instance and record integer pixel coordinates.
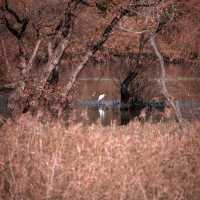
(112, 112)
(4, 110)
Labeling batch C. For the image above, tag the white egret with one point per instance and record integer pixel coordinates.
(102, 113)
(101, 108)
(101, 97)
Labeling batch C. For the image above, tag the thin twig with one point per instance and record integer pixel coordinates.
(30, 63)
(50, 49)
(131, 30)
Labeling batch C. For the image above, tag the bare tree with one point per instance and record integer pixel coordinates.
(30, 90)
(165, 91)
(95, 47)
(56, 49)
(161, 17)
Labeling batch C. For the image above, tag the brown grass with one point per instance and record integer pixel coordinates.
(49, 161)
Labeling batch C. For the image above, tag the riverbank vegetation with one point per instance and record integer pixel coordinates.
(138, 52)
(51, 161)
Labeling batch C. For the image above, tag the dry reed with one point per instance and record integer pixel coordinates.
(50, 161)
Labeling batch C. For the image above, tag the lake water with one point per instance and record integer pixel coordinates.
(86, 109)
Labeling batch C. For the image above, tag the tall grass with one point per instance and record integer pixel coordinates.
(50, 161)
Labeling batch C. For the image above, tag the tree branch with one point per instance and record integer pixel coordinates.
(104, 37)
(31, 60)
(50, 49)
(5, 56)
(18, 33)
(163, 79)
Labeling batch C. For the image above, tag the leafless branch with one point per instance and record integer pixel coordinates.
(76, 73)
(146, 29)
(104, 37)
(2, 121)
(29, 95)
(163, 79)
(50, 50)
(63, 35)
(5, 55)
(18, 33)
(26, 67)
(54, 59)
(31, 60)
